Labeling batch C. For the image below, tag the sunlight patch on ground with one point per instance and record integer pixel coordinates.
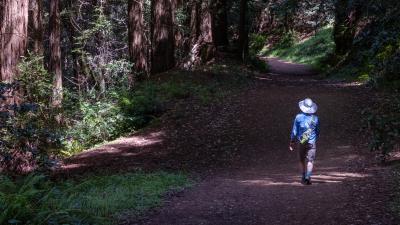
(123, 144)
(263, 78)
(140, 140)
(328, 178)
(72, 166)
(348, 84)
(269, 182)
(347, 175)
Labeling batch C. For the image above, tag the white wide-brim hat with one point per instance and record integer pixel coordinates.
(308, 106)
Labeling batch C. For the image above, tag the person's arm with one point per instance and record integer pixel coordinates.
(317, 128)
(293, 134)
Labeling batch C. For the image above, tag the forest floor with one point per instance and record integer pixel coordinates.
(237, 149)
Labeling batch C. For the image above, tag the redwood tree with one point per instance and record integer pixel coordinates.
(163, 44)
(202, 41)
(347, 15)
(137, 46)
(13, 38)
(55, 51)
(243, 31)
(220, 23)
(36, 25)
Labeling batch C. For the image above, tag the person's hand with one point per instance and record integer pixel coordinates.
(291, 145)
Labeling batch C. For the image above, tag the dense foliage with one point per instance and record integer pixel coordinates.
(382, 124)
(314, 50)
(374, 55)
(29, 131)
(93, 200)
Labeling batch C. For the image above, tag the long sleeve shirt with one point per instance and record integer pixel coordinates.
(302, 123)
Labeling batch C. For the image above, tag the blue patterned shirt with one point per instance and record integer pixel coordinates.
(302, 123)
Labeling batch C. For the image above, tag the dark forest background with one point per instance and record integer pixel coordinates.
(76, 73)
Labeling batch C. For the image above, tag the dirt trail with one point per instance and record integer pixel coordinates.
(259, 183)
(281, 67)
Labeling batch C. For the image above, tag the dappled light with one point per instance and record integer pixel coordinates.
(199, 112)
(319, 178)
(126, 149)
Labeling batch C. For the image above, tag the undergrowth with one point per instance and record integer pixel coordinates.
(382, 124)
(94, 200)
(128, 110)
(312, 51)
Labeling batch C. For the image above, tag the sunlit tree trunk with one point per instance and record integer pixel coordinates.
(36, 25)
(137, 43)
(163, 43)
(220, 23)
(203, 48)
(55, 52)
(243, 31)
(13, 38)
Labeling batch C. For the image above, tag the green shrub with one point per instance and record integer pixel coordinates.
(142, 105)
(98, 122)
(313, 51)
(123, 111)
(28, 131)
(105, 196)
(126, 111)
(256, 43)
(93, 200)
(382, 124)
(286, 41)
(25, 201)
(258, 64)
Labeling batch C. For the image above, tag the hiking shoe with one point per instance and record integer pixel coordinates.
(307, 181)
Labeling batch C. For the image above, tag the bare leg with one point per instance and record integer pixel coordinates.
(310, 166)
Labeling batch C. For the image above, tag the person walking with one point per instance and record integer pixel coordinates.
(305, 133)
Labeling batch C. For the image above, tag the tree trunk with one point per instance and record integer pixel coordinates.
(203, 48)
(347, 15)
(163, 43)
(137, 43)
(243, 31)
(13, 38)
(36, 26)
(220, 23)
(55, 52)
(195, 19)
(70, 27)
(206, 23)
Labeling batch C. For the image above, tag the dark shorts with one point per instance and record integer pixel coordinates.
(307, 152)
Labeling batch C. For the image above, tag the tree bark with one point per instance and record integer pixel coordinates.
(13, 38)
(137, 43)
(220, 23)
(36, 26)
(206, 23)
(195, 19)
(347, 15)
(203, 48)
(243, 31)
(55, 52)
(163, 44)
(72, 34)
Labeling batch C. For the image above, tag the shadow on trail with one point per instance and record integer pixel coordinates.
(266, 197)
(241, 145)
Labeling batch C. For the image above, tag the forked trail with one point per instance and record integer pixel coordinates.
(259, 183)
